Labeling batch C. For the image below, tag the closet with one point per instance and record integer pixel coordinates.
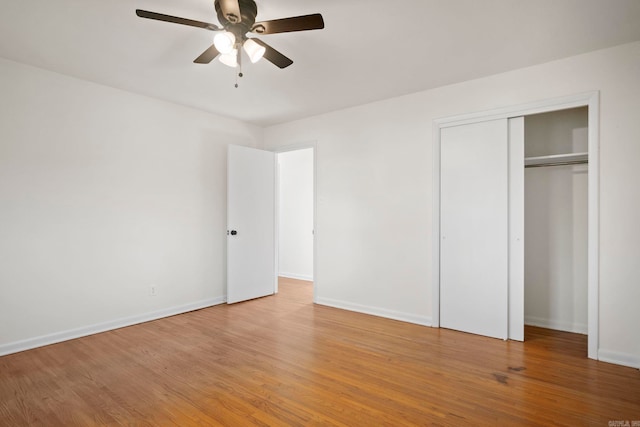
(517, 220)
(555, 232)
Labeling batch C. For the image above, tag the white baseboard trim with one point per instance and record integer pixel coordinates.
(577, 328)
(619, 358)
(376, 311)
(296, 276)
(28, 344)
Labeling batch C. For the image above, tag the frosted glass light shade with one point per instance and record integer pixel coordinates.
(230, 59)
(254, 50)
(224, 42)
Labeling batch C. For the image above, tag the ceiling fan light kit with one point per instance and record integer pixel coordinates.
(237, 18)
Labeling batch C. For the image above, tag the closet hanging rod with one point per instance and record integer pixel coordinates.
(556, 160)
(542, 165)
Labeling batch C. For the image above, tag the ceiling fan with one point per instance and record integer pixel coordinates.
(237, 18)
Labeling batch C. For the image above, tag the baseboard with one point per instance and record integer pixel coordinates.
(296, 276)
(375, 311)
(70, 334)
(619, 358)
(577, 328)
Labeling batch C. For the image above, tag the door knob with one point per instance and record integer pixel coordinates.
(234, 232)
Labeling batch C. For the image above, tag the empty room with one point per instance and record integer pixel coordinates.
(353, 213)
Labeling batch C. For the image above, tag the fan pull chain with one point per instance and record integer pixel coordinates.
(239, 75)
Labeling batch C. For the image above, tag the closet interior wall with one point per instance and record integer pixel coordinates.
(555, 273)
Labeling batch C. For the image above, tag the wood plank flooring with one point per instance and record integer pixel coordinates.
(281, 360)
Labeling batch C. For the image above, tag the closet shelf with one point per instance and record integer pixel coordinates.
(556, 160)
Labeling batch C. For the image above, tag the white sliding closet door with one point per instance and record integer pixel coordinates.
(474, 228)
(516, 228)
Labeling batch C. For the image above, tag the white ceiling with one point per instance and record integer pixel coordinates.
(369, 49)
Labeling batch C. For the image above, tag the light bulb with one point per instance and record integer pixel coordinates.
(224, 42)
(230, 59)
(254, 50)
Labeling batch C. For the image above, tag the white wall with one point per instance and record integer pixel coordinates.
(374, 177)
(295, 228)
(104, 193)
(555, 269)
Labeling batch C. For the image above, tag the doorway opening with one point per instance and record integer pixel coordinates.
(295, 221)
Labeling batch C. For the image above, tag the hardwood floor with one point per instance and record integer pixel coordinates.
(283, 361)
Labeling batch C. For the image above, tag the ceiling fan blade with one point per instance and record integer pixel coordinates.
(231, 10)
(176, 20)
(273, 56)
(286, 25)
(207, 56)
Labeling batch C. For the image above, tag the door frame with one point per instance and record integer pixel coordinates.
(587, 99)
(284, 149)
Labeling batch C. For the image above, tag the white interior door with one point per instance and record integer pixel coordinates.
(250, 223)
(516, 228)
(474, 228)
